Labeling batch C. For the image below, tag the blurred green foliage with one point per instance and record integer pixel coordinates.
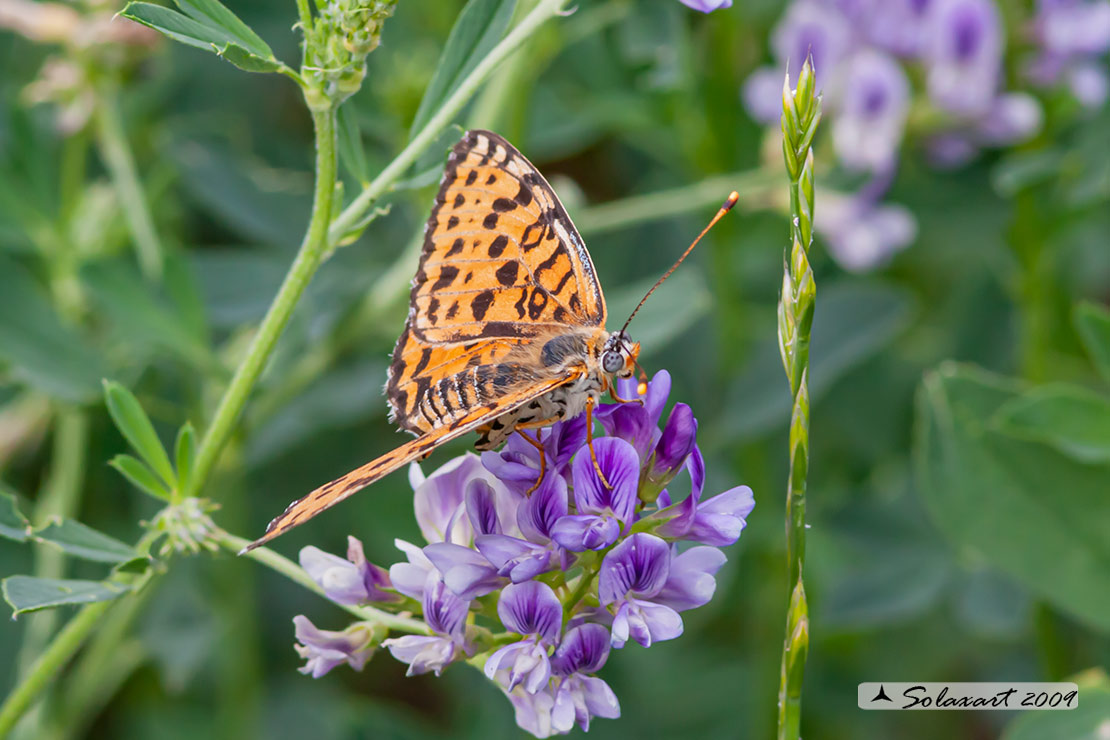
(959, 474)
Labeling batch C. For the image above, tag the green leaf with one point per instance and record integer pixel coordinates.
(139, 315)
(185, 451)
(1093, 323)
(1070, 418)
(13, 525)
(140, 476)
(82, 541)
(28, 594)
(351, 153)
(1024, 508)
(852, 320)
(133, 423)
(215, 15)
(479, 27)
(40, 349)
(1087, 721)
(210, 26)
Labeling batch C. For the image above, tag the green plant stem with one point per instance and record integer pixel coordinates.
(116, 154)
(353, 213)
(60, 650)
(296, 280)
(801, 114)
(665, 204)
(297, 574)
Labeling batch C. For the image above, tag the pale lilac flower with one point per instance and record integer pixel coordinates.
(579, 698)
(860, 233)
(1013, 118)
(632, 573)
(964, 55)
(898, 26)
(816, 30)
(532, 712)
(1073, 34)
(707, 6)
(439, 499)
(445, 613)
(531, 609)
(717, 521)
(324, 650)
(691, 581)
(867, 129)
(466, 572)
(411, 577)
(351, 581)
(603, 510)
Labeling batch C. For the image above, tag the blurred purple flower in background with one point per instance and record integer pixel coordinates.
(610, 561)
(932, 70)
(707, 6)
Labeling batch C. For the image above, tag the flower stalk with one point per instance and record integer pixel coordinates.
(801, 115)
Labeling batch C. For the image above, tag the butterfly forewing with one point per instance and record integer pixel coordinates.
(502, 270)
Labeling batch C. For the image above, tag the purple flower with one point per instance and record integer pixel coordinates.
(718, 521)
(445, 613)
(707, 6)
(579, 698)
(1072, 35)
(898, 26)
(637, 422)
(522, 560)
(439, 499)
(324, 650)
(466, 572)
(632, 573)
(351, 581)
(964, 53)
(671, 452)
(518, 462)
(867, 130)
(860, 233)
(603, 509)
(410, 578)
(531, 609)
(815, 30)
(691, 582)
(584, 649)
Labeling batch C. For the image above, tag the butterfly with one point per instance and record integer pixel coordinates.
(506, 324)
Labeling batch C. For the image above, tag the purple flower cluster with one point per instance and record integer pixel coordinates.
(594, 556)
(865, 54)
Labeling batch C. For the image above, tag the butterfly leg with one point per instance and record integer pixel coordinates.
(590, 440)
(613, 394)
(543, 459)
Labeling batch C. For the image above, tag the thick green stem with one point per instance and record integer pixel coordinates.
(117, 158)
(60, 650)
(297, 574)
(352, 214)
(304, 267)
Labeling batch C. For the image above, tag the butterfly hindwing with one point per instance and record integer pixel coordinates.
(332, 493)
(501, 257)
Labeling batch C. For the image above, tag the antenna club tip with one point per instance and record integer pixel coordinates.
(732, 199)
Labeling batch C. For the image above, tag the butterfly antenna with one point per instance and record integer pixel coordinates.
(725, 208)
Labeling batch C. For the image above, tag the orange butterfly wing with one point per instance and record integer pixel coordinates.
(502, 264)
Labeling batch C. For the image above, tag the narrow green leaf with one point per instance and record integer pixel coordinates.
(39, 348)
(140, 476)
(13, 525)
(1093, 323)
(213, 14)
(185, 451)
(479, 27)
(205, 34)
(1022, 507)
(82, 541)
(135, 566)
(28, 594)
(1070, 418)
(351, 153)
(133, 423)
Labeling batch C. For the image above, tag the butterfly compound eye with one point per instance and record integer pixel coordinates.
(612, 362)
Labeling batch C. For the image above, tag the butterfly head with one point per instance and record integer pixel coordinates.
(618, 356)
